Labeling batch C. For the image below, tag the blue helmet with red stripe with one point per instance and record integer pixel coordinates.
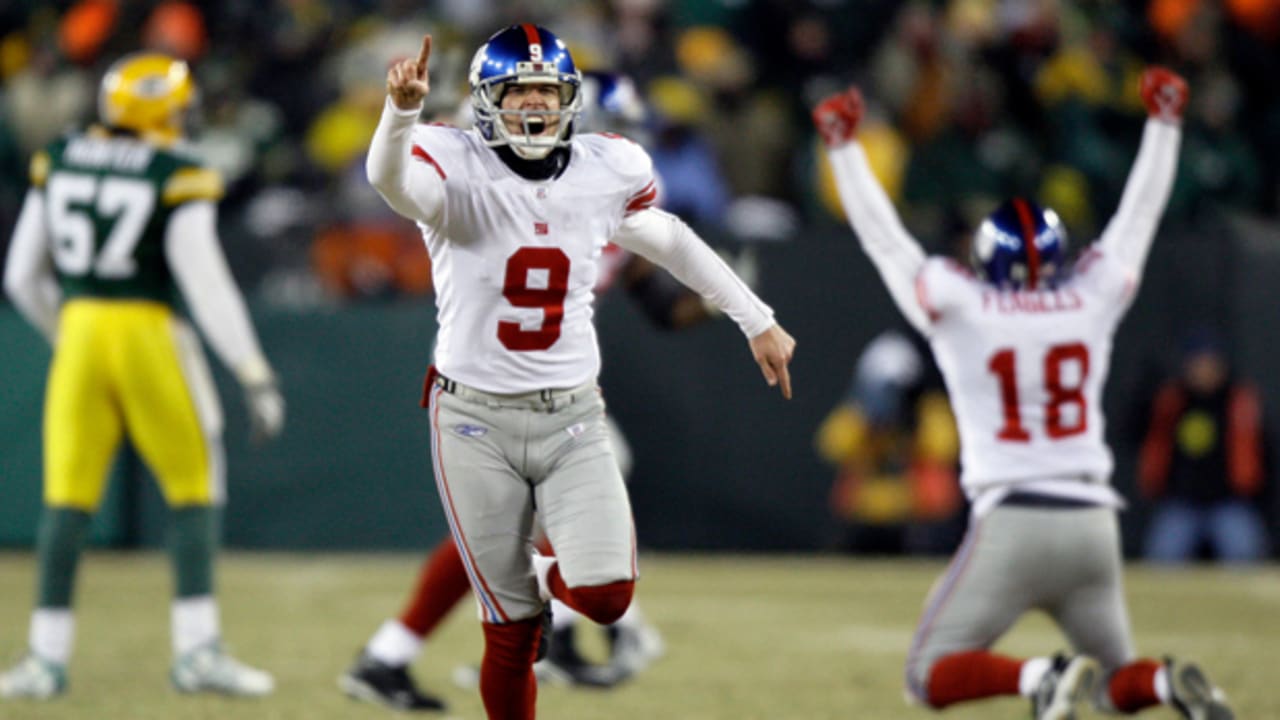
(525, 55)
(1020, 246)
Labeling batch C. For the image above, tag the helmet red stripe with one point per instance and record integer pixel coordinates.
(531, 33)
(1029, 240)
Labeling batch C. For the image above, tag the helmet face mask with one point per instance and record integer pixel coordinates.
(148, 93)
(1020, 246)
(524, 55)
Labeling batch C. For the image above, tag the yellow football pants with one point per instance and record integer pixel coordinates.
(130, 367)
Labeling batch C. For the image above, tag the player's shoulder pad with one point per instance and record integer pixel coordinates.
(440, 137)
(441, 145)
(624, 156)
(1088, 259)
(1102, 271)
(946, 269)
(39, 168)
(442, 130)
(192, 182)
(942, 281)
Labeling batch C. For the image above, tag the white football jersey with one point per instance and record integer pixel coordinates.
(612, 260)
(515, 261)
(1025, 369)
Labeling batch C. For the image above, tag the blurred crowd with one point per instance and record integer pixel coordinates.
(970, 100)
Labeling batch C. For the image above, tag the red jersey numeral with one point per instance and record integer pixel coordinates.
(548, 296)
(1003, 364)
(1060, 394)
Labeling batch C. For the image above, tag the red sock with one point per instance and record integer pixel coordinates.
(507, 685)
(971, 676)
(442, 582)
(603, 604)
(1133, 687)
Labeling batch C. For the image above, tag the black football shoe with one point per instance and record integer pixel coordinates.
(388, 685)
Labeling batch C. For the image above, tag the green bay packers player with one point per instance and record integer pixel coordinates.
(119, 223)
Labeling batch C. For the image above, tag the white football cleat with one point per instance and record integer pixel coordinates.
(34, 678)
(1068, 683)
(635, 647)
(209, 668)
(1194, 696)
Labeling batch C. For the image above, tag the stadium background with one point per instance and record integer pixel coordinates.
(972, 100)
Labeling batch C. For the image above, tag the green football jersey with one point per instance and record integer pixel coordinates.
(108, 200)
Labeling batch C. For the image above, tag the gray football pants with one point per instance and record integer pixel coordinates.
(497, 459)
(1064, 561)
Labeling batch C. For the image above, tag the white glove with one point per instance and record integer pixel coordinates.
(266, 410)
(262, 399)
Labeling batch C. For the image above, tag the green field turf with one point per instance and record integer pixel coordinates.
(765, 638)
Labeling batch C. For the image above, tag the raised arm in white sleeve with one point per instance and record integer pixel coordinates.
(200, 269)
(1129, 234)
(28, 278)
(896, 255)
(410, 188)
(666, 240)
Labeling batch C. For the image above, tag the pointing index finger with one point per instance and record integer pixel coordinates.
(425, 54)
(784, 377)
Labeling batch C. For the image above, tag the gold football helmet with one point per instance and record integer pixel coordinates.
(148, 93)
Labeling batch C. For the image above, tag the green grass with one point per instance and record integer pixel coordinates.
(767, 638)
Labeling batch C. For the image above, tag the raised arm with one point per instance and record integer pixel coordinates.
(896, 255)
(411, 189)
(666, 240)
(28, 278)
(1129, 234)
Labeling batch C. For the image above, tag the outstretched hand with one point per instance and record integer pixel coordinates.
(266, 411)
(837, 117)
(407, 81)
(1164, 92)
(772, 350)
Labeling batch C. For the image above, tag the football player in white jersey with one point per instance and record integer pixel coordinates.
(515, 213)
(1024, 343)
(380, 673)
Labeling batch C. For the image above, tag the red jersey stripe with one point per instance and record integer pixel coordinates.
(643, 199)
(922, 297)
(424, 156)
(1087, 260)
(494, 612)
(649, 189)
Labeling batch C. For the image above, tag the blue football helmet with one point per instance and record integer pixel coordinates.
(1021, 246)
(524, 54)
